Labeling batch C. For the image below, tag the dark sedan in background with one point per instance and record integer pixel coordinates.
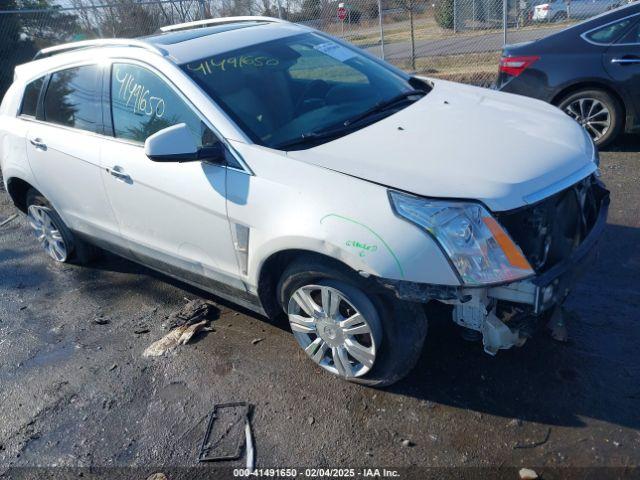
(590, 70)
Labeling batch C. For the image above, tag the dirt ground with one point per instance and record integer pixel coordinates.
(75, 390)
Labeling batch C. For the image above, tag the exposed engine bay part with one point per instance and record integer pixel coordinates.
(481, 314)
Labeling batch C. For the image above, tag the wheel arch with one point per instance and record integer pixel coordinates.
(274, 266)
(17, 189)
(596, 85)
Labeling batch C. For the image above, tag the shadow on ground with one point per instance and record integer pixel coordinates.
(595, 375)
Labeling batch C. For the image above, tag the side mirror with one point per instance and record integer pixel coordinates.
(176, 144)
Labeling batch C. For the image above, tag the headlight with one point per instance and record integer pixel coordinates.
(477, 245)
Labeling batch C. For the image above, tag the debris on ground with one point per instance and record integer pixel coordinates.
(534, 444)
(527, 474)
(141, 329)
(194, 317)
(113, 367)
(407, 443)
(157, 476)
(255, 341)
(101, 321)
(557, 325)
(250, 452)
(228, 433)
(8, 219)
(311, 420)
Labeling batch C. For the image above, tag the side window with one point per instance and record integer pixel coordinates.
(608, 33)
(632, 36)
(142, 104)
(30, 98)
(73, 98)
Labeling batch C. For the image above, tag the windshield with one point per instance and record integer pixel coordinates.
(303, 90)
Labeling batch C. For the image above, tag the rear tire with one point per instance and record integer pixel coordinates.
(606, 108)
(58, 241)
(394, 330)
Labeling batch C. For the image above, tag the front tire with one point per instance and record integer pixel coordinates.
(54, 236)
(346, 328)
(597, 111)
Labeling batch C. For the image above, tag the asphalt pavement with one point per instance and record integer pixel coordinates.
(75, 390)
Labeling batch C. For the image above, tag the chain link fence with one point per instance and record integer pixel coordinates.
(454, 39)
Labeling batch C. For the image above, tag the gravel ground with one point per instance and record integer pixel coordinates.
(78, 393)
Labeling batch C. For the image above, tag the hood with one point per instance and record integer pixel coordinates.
(467, 143)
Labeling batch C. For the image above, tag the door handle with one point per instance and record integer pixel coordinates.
(38, 143)
(626, 60)
(119, 173)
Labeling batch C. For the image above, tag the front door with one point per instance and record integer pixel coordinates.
(173, 215)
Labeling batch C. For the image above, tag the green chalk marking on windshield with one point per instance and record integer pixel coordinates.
(347, 219)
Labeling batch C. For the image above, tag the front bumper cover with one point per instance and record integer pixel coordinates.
(542, 291)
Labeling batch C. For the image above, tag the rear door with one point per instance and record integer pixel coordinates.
(622, 63)
(173, 215)
(63, 148)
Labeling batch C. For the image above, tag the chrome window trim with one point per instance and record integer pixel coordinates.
(600, 44)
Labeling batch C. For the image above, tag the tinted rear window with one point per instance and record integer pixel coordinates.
(632, 36)
(30, 99)
(73, 98)
(608, 33)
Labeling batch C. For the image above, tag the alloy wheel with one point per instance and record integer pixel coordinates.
(47, 233)
(332, 331)
(592, 114)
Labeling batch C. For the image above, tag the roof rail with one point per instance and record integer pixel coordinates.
(219, 21)
(98, 42)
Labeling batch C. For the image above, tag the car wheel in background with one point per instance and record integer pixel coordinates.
(53, 235)
(599, 113)
(347, 330)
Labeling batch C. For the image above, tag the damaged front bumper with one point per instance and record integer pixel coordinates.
(504, 314)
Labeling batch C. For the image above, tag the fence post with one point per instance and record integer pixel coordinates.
(279, 10)
(504, 21)
(381, 22)
(202, 9)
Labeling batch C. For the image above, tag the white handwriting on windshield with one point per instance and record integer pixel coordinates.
(207, 67)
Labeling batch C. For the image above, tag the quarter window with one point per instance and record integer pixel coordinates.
(73, 98)
(633, 36)
(608, 33)
(142, 104)
(30, 99)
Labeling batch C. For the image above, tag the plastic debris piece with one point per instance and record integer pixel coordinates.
(157, 476)
(192, 318)
(527, 474)
(557, 326)
(250, 452)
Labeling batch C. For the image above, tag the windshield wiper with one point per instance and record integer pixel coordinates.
(384, 105)
(343, 127)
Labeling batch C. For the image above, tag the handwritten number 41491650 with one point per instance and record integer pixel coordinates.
(137, 95)
(207, 67)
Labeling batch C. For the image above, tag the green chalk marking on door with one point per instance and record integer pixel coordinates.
(386, 245)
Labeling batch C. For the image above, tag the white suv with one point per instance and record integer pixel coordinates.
(288, 171)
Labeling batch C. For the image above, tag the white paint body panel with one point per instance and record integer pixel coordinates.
(465, 142)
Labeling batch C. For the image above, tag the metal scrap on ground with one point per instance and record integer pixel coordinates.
(8, 219)
(228, 432)
(195, 316)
